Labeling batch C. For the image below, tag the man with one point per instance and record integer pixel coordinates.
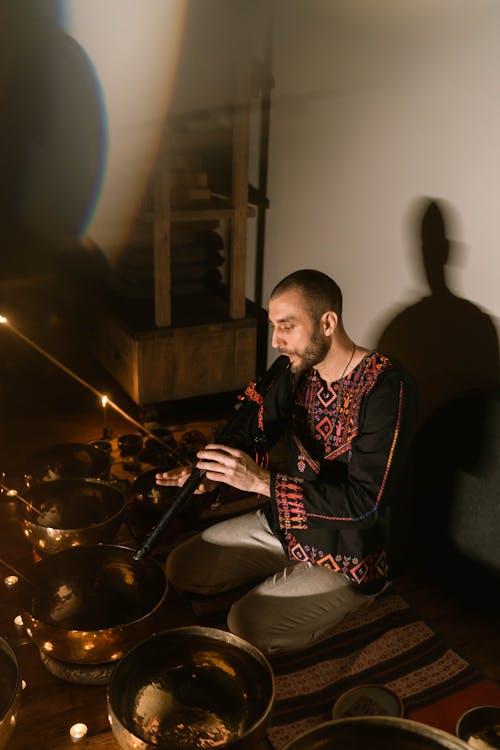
(323, 545)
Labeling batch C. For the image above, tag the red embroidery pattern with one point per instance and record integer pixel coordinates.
(373, 567)
(288, 493)
(253, 395)
(335, 425)
(386, 471)
(304, 458)
(393, 445)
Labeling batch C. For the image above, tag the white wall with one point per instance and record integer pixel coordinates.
(153, 59)
(134, 49)
(375, 105)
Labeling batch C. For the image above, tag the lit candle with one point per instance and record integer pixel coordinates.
(18, 620)
(78, 731)
(11, 581)
(105, 432)
(104, 399)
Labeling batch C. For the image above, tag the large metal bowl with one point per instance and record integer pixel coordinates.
(75, 512)
(67, 461)
(10, 691)
(375, 733)
(191, 687)
(90, 605)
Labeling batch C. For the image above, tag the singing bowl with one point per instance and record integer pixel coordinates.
(149, 501)
(75, 512)
(375, 733)
(90, 605)
(191, 687)
(10, 691)
(147, 491)
(67, 461)
(480, 724)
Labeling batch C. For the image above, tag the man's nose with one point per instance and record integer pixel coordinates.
(275, 340)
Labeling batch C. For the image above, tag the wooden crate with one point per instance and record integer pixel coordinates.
(166, 364)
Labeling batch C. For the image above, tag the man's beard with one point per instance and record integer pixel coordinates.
(314, 352)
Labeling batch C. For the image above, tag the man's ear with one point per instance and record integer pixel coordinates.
(329, 321)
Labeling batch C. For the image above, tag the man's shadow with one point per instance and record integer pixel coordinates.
(450, 346)
(446, 342)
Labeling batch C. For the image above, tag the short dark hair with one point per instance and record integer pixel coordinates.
(321, 292)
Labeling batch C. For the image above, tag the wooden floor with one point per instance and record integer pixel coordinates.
(43, 406)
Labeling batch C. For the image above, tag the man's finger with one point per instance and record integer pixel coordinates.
(214, 456)
(224, 448)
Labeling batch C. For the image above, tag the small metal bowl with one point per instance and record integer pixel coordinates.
(75, 512)
(130, 444)
(481, 723)
(10, 691)
(367, 700)
(191, 687)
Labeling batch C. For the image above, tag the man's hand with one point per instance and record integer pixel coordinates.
(176, 478)
(233, 467)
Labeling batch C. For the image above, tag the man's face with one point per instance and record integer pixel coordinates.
(295, 333)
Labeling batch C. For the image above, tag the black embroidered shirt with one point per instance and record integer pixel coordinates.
(347, 447)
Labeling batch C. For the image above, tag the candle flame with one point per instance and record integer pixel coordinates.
(104, 400)
(3, 319)
(77, 731)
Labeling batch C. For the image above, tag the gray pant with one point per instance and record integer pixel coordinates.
(292, 606)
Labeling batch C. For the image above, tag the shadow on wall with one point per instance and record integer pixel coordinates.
(451, 347)
(446, 342)
(53, 130)
(456, 487)
(52, 153)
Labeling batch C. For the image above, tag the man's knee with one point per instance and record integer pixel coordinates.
(193, 567)
(183, 572)
(245, 621)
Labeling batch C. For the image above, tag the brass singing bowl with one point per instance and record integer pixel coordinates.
(73, 512)
(67, 461)
(90, 605)
(10, 691)
(191, 687)
(375, 733)
(481, 723)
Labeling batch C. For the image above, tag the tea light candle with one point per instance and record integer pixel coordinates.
(78, 731)
(11, 581)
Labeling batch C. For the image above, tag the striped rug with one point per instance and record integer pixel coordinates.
(385, 644)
